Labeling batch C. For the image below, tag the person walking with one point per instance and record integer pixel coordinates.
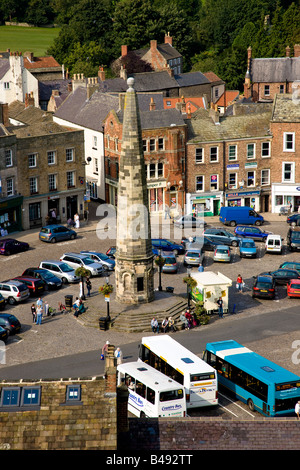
(297, 409)
(46, 309)
(33, 311)
(239, 283)
(220, 304)
(119, 356)
(88, 286)
(167, 212)
(104, 350)
(39, 315)
(76, 220)
(200, 269)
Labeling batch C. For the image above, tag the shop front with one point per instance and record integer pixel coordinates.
(243, 198)
(285, 195)
(11, 214)
(204, 204)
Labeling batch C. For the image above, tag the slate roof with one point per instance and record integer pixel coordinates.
(156, 119)
(268, 70)
(46, 87)
(201, 128)
(166, 50)
(285, 109)
(191, 78)
(36, 122)
(4, 67)
(153, 81)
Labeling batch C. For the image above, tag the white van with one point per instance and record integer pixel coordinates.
(274, 244)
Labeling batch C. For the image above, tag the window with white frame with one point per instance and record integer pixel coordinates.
(214, 182)
(33, 185)
(116, 144)
(8, 158)
(267, 90)
(199, 155)
(232, 181)
(6, 85)
(200, 183)
(96, 168)
(9, 187)
(250, 151)
(70, 179)
(32, 160)
(289, 142)
(161, 143)
(69, 155)
(144, 145)
(152, 145)
(266, 149)
(51, 157)
(250, 178)
(281, 89)
(155, 170)
(52, 182)
(95, 141)
(232, 152)
(265, 177)
(213, 153)
(288, 172)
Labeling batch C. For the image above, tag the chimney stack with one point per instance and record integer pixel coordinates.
(153, 44)
(101, 74)
(168, 39)
(296, 50)
(29, 100)
(152, 104)
(124, 50)
(287, 51)
(4, 119)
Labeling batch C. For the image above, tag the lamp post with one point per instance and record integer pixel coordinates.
(188, 287)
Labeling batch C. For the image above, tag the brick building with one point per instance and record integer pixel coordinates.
(164, 136)
(49, 162)
(228, 158)
(267, 76)
(285, 172)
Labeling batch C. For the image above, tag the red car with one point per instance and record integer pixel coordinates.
(293, 288)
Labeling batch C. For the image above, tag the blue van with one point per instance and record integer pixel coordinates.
(240, 215)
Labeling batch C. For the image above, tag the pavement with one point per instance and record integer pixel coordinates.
(64, 335)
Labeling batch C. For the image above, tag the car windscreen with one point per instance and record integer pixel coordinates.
(170, 260)
(263, 285)
(295, 235)
(22, 287)
(222, 250)
(295, 286)
(88, 261)
(193, 254)
(65, 268)
(248, 245)
(45, 230)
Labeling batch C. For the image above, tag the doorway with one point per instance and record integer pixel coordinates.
(72, 206)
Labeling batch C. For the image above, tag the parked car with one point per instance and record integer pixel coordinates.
(107, 263)
(56, 233)
(36, 286)
(283, 276)
(193, 255)
(111, 252)
(264, 287)
(78, 260)
(167, 245)
(9, 246)
(247, 248)
(61, 270)
(206, 243)
(48, 279)
(290, 265)
(2, 302)
(240, 215)
(293, 288)
(189, 221)
(10, 323)
(222, 253)
(251, 232)
(170, 266)
(274, 244)
(222, 236)
(293, 239)
(293, 219)
(14, 291)
(3, 334)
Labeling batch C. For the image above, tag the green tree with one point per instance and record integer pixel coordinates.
(39, 12)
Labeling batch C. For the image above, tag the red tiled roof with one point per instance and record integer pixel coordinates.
(212, 77)
(41, 63)
(230, 96)
(194, 103)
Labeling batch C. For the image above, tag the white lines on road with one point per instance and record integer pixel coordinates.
(10, 258)
(246, 411)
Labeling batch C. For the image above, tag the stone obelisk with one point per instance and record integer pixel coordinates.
(134, 256)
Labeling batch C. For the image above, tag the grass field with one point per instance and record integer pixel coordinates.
(22, 39)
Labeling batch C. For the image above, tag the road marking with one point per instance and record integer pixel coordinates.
(9, 258)
(246, 411)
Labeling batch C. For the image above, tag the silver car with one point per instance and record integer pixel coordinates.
(170, 265)
(222, 253)
(14, 291)
(61, 270)
(193, 255)
(78, 260)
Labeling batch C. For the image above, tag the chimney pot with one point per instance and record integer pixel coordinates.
(124, 50)
(296, 50)
(287, 51)
(168, 39)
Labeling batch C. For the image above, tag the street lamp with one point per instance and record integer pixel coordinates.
(188, 288)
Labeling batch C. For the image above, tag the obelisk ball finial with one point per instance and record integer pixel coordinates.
(130, 83)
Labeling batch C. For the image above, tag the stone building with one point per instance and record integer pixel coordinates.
(50, 165)
(134, 258)
(229, 159)
(163, 138)
(266, 77)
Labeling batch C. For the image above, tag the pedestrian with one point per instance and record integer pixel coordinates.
(297, 409)
(220, 304)
(39, 303)
(164, 325)
(171, 324)
(119, 356)
(81, 296)
(239, 283)
(104, 350)
(76, 220)
(88, 286)
(154, 325)
(46, 309)
(33, 311)
(189, 319)
(200, 269)
(167, 212)
(39, 315)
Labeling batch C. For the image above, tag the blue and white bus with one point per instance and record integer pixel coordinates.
(261, 384)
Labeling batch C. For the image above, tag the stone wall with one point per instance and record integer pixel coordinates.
(193, 434)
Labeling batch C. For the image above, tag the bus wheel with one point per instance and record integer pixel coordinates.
(250, 405)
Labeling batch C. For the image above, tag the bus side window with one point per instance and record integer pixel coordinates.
(130, 382)
(140, 389)
(150, 395)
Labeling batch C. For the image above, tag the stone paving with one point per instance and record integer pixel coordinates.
(63, 334)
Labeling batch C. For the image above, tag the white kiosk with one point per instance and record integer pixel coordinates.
(210, 287)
